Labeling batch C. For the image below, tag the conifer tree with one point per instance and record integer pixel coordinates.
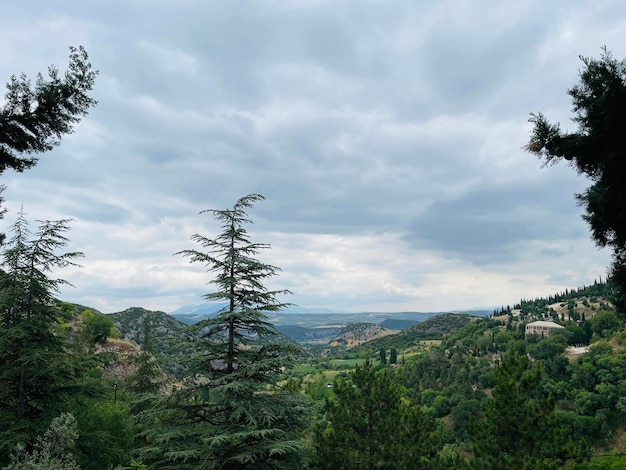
(33, 119)
(369, 426)
(393, 356)
(519, 427)
(230, 414)
(36, 373)
(596, 149)
(149, 377)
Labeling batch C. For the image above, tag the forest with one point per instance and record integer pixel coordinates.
(478, 393)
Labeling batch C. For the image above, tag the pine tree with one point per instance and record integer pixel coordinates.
(34, 119)
(519, 428)
(149, 377)
(230, 415)
(369, 426)
(36, 373)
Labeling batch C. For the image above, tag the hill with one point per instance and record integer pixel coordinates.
(350, 337)
(435, 328)
(166, 331)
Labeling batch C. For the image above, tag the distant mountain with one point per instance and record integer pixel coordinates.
(303, 334)
(190, 314)
(313, 317)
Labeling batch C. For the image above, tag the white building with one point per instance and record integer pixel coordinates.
(541, 328)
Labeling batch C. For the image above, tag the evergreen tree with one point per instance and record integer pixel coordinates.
(519, 428)
(230, 414)
(383, 356)
(149, 377)
(34, 119)
(393, 356)
(52, 450)
(370, 427)
(37, 376)
(598, 150)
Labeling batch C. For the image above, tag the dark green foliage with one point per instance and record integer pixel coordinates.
(37, 375)
(605, 322)
(383, 356)
(369, 427)
(149, 377)
(106, 433)
(519, 428)
(597, 149)
(393, 356)
(229, 414)
(34, 119)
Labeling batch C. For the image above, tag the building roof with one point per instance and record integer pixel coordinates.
(549, 324)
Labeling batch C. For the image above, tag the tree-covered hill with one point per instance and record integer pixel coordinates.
(166, 334)
(435, 328)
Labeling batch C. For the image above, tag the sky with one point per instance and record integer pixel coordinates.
(386, 136)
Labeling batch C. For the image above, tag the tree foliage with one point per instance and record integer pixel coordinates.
(369, 426)
(33, 119)
(52, 450)
(519, 427)
(597, 149)
(36, 373)
(229, 414)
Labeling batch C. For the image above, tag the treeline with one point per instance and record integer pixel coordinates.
(599, 292)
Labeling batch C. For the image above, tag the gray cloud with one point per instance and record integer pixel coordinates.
(386, 137)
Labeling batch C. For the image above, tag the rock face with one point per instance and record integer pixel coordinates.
(123, 358)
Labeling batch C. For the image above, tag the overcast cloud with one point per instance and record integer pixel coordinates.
(385, 135)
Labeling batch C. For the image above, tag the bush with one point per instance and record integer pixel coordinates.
(98, 327)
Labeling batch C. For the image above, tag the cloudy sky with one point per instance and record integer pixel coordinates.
(386, 136)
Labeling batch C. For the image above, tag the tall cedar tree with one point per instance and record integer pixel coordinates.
(598, 150)
(33, 119)
(36, 374)
(230, 414)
